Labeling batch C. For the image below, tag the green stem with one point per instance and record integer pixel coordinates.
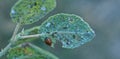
(15, 32)
(40, 50)
(31, 36)
(3, 51)
(13, 39)
(43, 34)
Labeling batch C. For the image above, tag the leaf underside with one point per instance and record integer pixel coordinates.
(30, 11)
(71, 30)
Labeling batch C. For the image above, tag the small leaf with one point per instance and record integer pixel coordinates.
(27, 52)
(71, 30)
(30, 11)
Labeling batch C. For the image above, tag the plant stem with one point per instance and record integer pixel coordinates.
(40, 50)
(31, 36)
(43, 34)
(3, 51)
(13, 39)
(15, 32)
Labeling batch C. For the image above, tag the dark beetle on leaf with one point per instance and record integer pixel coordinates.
(48, 41)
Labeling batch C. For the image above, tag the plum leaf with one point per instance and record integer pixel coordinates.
(25, 51)
(30, 11)
(71, 30)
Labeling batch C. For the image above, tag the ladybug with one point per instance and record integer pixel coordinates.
(48, 41)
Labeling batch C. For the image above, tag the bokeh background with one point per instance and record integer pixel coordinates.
(102, 15)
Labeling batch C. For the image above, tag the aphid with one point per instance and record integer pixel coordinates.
(48, 41)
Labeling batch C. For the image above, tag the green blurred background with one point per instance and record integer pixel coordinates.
(102, 15)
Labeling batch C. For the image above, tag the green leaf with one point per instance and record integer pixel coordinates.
(71, 30)
(30, 11)
(27, 52)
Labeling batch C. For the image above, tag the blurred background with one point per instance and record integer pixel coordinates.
(102, 15)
